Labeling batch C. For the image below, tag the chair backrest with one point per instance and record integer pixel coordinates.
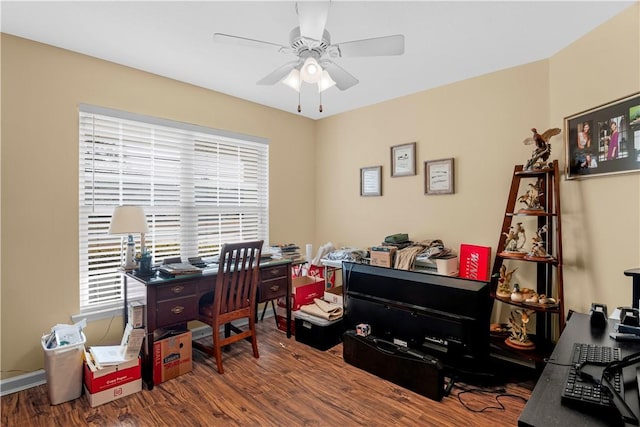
(238, 276)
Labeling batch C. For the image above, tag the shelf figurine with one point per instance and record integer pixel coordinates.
(538, 250)
(504, 282)
(543, 148)
(519, 338)
(516, 238)
(531, 198)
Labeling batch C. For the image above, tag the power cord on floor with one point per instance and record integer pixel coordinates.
(499, 393)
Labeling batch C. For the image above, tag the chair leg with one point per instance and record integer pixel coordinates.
(216, 349)
(254, 340)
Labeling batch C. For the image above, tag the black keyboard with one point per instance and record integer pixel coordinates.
(584, 393)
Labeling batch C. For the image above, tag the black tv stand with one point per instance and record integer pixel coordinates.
(444, 318)
(408, 368)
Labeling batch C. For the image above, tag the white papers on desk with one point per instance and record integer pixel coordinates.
(128, 349)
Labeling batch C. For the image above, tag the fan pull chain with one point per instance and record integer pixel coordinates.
(320, 108)
(299, 109)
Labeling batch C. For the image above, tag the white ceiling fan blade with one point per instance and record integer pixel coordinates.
(312, 17)
(378, 46)
(279, 73)
(243, 41)
(343, 79)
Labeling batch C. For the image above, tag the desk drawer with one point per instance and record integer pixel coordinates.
(176, 290)
(177, 310)
(271, 289)
(275, 272)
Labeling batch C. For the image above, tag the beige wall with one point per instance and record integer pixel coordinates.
(601, 216)
(479, 122)
(41, 89)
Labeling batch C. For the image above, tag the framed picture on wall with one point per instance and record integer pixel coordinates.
(438, 176)
(603, 140)
(403, 159)
(371, 181)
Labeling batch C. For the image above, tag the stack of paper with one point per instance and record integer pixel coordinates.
(128, 349)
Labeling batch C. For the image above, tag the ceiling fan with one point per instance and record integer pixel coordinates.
(311, 43)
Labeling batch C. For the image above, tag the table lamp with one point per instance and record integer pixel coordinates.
(127, 220)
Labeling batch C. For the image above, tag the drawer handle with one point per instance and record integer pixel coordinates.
(177, 309)
(274, 272)
(274, 288)
(177, 289)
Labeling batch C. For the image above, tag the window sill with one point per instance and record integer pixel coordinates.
(98, 314)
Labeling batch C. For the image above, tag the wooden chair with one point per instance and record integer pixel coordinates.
(234, 298)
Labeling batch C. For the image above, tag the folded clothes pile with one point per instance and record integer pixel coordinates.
(323, 309)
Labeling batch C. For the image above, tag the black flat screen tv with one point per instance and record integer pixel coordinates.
(447, 317)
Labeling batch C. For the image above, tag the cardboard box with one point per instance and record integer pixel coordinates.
(113, 393)
(334, 295)
(171, 357)
(382, 256)
(320, 271)
(304, 289)
(112, 382)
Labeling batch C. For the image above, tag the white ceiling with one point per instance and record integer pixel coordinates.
(444, 41)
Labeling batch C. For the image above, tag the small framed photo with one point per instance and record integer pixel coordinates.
(371, 181)
(403, 159)
(604, 140)
(438, 176)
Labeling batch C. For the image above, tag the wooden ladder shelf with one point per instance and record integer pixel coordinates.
(549, 278)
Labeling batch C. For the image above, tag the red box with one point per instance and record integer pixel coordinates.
(171, 357)
(319, 271)
(474, 262)
(304, 289)
(112, 382)
(281, 320)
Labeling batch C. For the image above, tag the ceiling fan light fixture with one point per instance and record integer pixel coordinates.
(293, 80)
(311, 71)
(325, 81)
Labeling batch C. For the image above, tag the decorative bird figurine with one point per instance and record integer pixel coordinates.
(504, 282)
(543, 148)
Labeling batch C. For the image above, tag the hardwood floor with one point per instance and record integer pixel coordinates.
(291, 384)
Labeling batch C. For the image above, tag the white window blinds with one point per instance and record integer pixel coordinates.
(199, 188)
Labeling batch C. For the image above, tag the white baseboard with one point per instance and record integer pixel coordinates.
(22, 382)
(36, 378)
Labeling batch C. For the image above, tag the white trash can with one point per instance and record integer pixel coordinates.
(63, 368)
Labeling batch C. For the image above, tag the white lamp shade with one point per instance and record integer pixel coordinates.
(325, 81)
(128, 220)
(293, 80)
(311, 71)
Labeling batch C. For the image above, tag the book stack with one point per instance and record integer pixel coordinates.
(180, 269)
(286, 251)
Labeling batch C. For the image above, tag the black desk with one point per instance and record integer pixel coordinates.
(545, 408)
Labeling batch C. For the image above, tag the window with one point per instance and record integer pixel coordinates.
(199, 187)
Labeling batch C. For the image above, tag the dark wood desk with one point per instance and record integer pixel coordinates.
(545, 408)
(174, 301)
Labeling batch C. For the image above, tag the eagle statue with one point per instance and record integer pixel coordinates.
(542, 150)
